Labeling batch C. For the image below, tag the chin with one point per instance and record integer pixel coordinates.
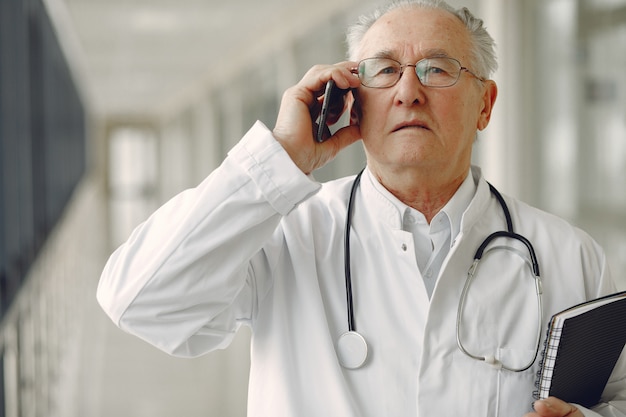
(407, 160)
(400, 150)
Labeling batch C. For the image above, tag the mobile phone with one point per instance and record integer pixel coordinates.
(333, 104)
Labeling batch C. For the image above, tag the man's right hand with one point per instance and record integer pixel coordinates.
(553, 407)
(299, 108)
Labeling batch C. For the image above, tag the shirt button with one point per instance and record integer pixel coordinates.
(429, 273)
(404, 247)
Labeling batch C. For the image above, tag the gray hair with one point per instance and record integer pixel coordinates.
(483, 55)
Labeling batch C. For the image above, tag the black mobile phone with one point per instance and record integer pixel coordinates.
(333, 104)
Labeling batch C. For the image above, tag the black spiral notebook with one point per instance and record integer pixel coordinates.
(582, 346)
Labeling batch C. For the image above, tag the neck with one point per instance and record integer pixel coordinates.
(427, 194)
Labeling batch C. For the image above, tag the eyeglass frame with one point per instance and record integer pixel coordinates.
(357, 71)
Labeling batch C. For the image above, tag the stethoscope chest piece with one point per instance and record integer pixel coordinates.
(351, 350)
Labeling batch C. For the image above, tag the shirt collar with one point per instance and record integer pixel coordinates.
(452, 211)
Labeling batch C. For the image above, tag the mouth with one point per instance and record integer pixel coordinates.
(414, 124)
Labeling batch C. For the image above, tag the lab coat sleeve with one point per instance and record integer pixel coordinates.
(189, 275)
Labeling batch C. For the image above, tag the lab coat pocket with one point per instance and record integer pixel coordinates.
(515, 389)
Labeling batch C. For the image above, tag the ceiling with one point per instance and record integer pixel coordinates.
(131, 55)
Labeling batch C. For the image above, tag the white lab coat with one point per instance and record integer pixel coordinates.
(258, 243)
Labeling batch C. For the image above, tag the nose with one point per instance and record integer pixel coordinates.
(409, 89)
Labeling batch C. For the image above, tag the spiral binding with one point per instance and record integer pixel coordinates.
(546, 363)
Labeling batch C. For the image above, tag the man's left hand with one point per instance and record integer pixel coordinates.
(553, 407)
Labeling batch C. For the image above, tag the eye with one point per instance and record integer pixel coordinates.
(432, 70)
(386, 70)
(379, 72)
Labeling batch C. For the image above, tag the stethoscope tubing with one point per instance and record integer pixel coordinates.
(490, 359)
(482, 250)
(348, 271)
(534, 264)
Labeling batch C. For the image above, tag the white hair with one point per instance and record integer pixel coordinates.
(483, 56)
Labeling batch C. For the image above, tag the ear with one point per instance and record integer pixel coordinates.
(353, 105)
(488, 100)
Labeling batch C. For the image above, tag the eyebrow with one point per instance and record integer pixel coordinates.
(385, 53)
(429, 53)
(437, 53)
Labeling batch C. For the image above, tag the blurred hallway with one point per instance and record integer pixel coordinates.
(105, 372)
(125, 377)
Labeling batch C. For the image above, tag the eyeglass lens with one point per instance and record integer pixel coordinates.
(432, 72)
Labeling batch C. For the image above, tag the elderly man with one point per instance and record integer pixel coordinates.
(260, 243)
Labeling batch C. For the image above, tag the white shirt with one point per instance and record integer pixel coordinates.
(260, 244)
(433, 241)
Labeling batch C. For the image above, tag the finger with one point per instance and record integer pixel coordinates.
(343, 73)
(344, 137)
(315, 80)
(554, 407)
(327, 150)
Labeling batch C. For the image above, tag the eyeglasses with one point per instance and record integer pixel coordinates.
(432, 72)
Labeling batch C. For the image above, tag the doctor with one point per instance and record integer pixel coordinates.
(260, 243)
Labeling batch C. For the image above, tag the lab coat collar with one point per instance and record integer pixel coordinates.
(391, 210)
(478, 205)
(381, 201)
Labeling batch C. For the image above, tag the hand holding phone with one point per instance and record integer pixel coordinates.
(333, 105)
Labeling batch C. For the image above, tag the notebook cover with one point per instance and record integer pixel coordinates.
(589, 347)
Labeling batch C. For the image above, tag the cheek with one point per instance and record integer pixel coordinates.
(458, 115)
(372, 114)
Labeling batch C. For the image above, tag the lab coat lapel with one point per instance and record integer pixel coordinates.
(442, 361)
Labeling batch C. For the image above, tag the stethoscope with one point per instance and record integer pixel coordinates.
(352, 348)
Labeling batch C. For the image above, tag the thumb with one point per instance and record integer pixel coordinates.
(331, 147)
(346, 136)
(553, 407)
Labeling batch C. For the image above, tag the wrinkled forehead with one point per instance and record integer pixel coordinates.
(414, 33)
